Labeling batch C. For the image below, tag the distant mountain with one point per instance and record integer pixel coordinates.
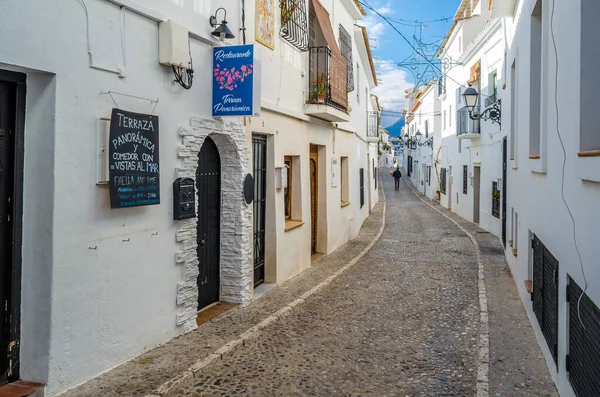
(396, 128)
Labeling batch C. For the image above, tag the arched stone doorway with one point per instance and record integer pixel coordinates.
(235, 254)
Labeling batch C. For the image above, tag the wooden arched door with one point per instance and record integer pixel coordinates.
(208, 184)
(314, 196)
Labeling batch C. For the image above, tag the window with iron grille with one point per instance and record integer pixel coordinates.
(443, 181)
(465, 178)
(361, 175)
(294, 23)
(428, 176)
(495, 200)
(545, 294)
(346, 49)
(583, 360)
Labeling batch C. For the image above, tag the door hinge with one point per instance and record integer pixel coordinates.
(556, 277)
(568, 362)
(532, 243)
(568, 289)
(555, 348)
(6, 305)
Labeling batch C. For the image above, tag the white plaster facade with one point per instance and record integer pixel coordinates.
(101, 286)
(506, 51)
(426, 155)
(292, 129)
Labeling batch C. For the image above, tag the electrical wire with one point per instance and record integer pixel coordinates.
(564, 165)
(366, 4)
(185, 77)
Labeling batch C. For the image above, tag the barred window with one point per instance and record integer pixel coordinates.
(346, 49)
(294, 23)
(465, 178)
(495, 200)
(443, 181)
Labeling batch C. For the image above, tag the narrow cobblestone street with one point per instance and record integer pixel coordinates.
(402, 322)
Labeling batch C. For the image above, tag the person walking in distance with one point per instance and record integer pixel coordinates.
(397, 175)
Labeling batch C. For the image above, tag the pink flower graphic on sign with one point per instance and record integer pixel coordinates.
(229, 79)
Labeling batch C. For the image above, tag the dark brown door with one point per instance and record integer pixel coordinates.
(504, 183)
(8, 282)
(314, 196)
(259, 153)
(208, 183)
(476, 193)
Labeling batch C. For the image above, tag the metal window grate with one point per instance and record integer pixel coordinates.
(324, 81)
(443, 181)
(545, 294)
(361, 175)
(346, 49)
(294, 23)
(465, 178)
(373, 124)
(495, 200)
(464, 123)
(583, 361)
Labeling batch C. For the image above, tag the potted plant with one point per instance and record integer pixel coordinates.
(496, 195)
(286, 14)
(318, 90)
(437, 192)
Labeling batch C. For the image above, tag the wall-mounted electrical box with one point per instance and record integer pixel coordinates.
(281, 177)
(184, 199)
(173, 45)
(102, 146)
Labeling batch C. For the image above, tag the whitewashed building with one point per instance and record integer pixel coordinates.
(424, 124)
(314, 122)
(549, 112)
(530, 176)
(386, 150)
(94, 286)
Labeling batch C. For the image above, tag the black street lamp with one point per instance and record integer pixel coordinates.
(223, 32)
(492, 113)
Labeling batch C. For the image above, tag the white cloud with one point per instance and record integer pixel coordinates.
(373, 22)
(392, 84)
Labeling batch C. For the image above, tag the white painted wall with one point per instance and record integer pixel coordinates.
(91, 300)
(535, 192)
(292, 132)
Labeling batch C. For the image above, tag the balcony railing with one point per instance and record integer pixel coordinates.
(465, 126)
(490, 100)
(327, 79)
(372, 124)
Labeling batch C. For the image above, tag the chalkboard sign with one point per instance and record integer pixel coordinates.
(133, 160)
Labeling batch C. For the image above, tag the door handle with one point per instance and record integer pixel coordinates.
(202, 242)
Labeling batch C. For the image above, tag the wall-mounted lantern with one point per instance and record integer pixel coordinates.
(222, 32)
(493, 112)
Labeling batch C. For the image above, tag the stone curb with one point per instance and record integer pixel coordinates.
(170, 386)
(483, 366)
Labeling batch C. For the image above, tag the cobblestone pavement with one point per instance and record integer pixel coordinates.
(144, 374)
(517, 366)
(402, 322)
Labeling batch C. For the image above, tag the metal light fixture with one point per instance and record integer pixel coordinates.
(222, 32)
(427, 143)
(492, 113)
(418, 135)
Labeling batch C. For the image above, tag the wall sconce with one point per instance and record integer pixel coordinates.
(427, 143)
(493, 112)
(222, 32)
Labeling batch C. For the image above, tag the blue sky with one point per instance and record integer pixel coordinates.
(388, 47)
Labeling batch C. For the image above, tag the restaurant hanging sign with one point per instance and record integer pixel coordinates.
(235, 84)
(133, 160)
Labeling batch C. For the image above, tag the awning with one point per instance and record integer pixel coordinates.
(338, 72)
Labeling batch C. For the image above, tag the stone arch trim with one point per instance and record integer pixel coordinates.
(236, 218)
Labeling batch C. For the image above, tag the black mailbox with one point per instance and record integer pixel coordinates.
(184, 199)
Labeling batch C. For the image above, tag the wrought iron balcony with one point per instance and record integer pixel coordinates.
(490, 100)
(373, 124)
(327, 95)
(465, 127)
